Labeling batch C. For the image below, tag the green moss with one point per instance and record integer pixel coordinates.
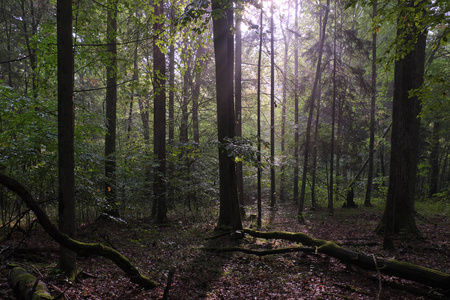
(23, 283)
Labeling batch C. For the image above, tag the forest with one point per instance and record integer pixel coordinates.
(224, 149)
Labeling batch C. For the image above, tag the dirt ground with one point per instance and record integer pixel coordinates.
(199, 274)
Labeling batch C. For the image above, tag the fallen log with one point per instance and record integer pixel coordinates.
(431, 277)
(26, 285)
(83, 249)
(262, 252)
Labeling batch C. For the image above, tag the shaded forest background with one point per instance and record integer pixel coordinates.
(316, 87)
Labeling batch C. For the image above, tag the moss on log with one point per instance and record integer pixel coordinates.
(431, 277)
(80, 248)
(27, 286)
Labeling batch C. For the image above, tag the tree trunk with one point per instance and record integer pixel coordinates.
(258, 102)
(111, 108)
(229, 214)
(372, 113)
(80, 248)
(296, 94)
(314, 95)
(408, 76)
(272, 111)
(434, 160)
(333, 118)
(286, 38)
(238, 103)
(159, 117)
(66, 126)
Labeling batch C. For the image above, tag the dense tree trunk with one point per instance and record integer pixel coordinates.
(80, 248)
(111, 108)
(238, 103)
(314, 95)
(229, 214)
(367, 201)
(159, 116)
(408, 76)
(66, 126)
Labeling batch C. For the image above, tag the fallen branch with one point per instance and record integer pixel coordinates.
(80, 248)
(263, 252)
(404, 270)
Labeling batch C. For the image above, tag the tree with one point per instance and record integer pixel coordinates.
(229, 215)
(238, 102)
(296, 95)
(66, 161)
(258, 103)
(314, 95)
(408, 78)
(372, 112)
(159, 116)
(111, 109)
(272, 111)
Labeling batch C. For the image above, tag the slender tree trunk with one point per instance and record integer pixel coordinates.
(229, 214)
(171, 107)
(314, 95)
(434, 160)
(111, 108)
(316, 137)
(372, 113)
(187, 82)
(238, 103)
(272, 112)
(333, 118)
(136, 80)
(408, 75)
(28, 35)
(286, 38)
(296, 93)
(159, 117)
(201, 64)
(259, 172)
(66, 160)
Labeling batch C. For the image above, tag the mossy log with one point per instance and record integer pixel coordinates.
(393, 267)
(262, 252)
(27, 286)
(83, 249)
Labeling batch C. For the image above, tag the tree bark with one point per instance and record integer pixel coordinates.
(404, 270)
(66, 127)
(111, 109)
(258, 103)
(80, 248)
(238, 103)
(296, 95)
(367, 201)
(408, 77)
(159, 117)
(229, 214)
(272, 111)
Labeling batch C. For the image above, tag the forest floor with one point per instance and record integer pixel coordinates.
(200, 274)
